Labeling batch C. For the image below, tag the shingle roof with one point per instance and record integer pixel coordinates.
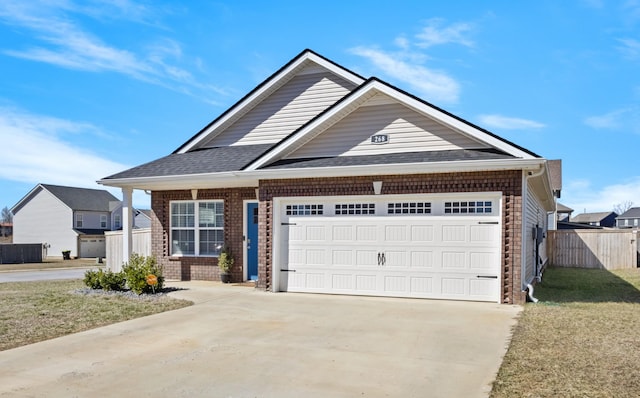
(210, 160)
(633, 212)
(591, 217)
(562, 208)
(392, 158)
(82, 198)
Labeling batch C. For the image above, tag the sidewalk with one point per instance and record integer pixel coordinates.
(52, 263)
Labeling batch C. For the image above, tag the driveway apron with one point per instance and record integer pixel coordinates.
(240, 342)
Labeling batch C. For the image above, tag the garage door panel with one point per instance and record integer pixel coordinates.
(450, 286)
(367, 283)
(366, 258)
(422, 286)
(422, 233)
(342, 282)
(453, 260)
(483, 260)
(340, 233)
(421, 259)
(342, 258)
(367, 233)
(396, 284)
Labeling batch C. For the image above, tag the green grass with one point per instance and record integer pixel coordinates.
(581, 340)
(37, 311)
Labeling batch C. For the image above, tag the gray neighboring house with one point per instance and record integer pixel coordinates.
(66, 218)
(599, 219)
(629, 219)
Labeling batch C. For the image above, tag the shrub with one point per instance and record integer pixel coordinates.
(93, 278)
(143, 274)
(112, 280)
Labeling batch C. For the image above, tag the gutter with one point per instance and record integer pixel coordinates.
(251, 178)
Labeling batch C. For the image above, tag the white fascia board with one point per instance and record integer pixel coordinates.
(251, 178)
(259, 93)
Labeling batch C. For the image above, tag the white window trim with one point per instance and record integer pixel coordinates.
(117, 221)
(103, 221)
(79, 220)
(196, 228)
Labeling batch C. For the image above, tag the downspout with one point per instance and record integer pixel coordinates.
(530, 293)
(537, 275)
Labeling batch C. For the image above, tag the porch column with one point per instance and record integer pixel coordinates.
(127, 223)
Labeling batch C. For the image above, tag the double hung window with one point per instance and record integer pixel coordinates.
(197, 228)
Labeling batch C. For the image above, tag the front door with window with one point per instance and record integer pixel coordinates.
(251, 236)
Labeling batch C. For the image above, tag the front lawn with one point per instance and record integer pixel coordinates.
(37, 311)
(581, 340)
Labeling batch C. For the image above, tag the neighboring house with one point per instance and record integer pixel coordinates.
(142, 218)
(66, 218)
(600, 219)
(6, 229)
(322, 181)
(563, 212)
(629, 219)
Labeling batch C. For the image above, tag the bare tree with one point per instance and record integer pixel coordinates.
(622, 207)
(6, 215)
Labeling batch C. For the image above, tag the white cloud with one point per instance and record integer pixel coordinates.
(626, 119)
(34, 150)
(432, 85)
(630, 48)
(62, 42)
(406, 64)
(581, 196)
(435, 34)
(508, 123)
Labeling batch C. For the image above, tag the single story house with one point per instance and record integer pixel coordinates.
(598, 219)
(320, 180)
(66, 218)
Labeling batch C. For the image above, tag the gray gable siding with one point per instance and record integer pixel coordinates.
(291, 106)
(406, 129)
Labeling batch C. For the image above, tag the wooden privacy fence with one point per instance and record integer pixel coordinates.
(21, 253)
(587, 248)
(141, 244)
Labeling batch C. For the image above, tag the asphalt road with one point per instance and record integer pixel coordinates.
(42, 275)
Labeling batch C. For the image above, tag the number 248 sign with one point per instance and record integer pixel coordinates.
(379, 139)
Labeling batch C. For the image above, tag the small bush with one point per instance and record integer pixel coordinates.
(112, 280)
(93, 279)
(143, 274)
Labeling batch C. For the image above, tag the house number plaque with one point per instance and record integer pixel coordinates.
(379, 139)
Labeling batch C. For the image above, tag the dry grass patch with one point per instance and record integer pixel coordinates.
(580, 340)
(37, 311)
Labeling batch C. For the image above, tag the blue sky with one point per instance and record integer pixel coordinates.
(90, 88)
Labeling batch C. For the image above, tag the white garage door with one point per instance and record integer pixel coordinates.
(92, 247)
(449, 256)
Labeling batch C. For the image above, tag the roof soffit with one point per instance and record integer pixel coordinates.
(305, 60)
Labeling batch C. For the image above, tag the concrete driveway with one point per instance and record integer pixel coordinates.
(239, 342)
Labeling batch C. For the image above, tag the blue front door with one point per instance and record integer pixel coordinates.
(251, 214)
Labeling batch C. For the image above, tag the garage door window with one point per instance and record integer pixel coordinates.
(477, 207)
(349, 209)
(409, 208)
(305, 210)
(197, 228)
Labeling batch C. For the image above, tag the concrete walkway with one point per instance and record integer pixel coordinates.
(239, 342)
